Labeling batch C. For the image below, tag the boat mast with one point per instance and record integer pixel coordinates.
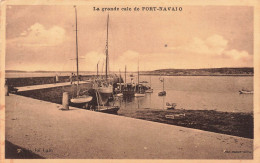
(97, 70)
(120, 80)
(150, 82)
(107, 47)
(138, 77)
(163, 84)
(77, 62)
(125, 74)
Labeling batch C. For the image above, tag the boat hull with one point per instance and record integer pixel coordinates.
(105, 90)
(105, 94)
(163, 93)
(119, 95)
(108, 109)
(149, 91)
(139, 95)
(175, 116)
(246, 92)
(81, 100)
(170, 106)
(128, 93)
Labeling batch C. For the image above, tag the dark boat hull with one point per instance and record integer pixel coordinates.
(108, 109)
(163, 93)
(129, 93)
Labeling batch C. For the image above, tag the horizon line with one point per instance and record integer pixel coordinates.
(128, 71)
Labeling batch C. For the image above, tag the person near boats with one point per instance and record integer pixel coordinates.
(71, 78)
(74, 77)
(56, 78)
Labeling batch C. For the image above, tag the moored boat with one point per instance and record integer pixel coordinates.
(105, 88)
(149, 91)
(119, 90)
(139, 94)
(129, 89)
(170, 106)
(82, 100)
(246, 92)
(139, 91)
(162, 93)
(175, 116)
(119, 94)
(108, 109)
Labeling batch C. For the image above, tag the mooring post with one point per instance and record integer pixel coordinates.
(65, 100)
(6, 90)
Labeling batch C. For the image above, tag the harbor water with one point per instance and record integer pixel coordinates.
(220, 93)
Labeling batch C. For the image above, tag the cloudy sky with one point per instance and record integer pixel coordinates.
(43, 38)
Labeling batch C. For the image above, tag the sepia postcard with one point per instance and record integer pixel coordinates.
(130, 80)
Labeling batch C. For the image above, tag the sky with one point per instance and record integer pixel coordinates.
(43, 38)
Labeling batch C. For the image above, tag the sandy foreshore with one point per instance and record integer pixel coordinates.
(231, 123)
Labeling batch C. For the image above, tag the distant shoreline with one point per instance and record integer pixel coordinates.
(51, 76)
(201, 75)
(242, 71)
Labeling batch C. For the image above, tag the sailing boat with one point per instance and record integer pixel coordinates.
(163, 93)
(120, 94)
(106, 89)
(128, 90)
(85, 98)
(139, 92)
(150, 90)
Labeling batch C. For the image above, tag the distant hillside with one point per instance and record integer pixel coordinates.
(202, 72)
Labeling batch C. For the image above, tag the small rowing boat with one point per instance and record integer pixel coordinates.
(170, 106)
(246, 92)
(175, 116)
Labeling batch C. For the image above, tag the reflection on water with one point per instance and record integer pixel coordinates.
(196, 93)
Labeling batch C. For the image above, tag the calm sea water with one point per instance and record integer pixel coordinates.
(196, 93)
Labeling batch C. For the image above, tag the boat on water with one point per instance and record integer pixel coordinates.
(83, 99)
(143, 81)
(108, 109)
(139, 89)
(105, 88)
(170, 106)
(149, 89)
(175, 116)
(129, 88)
(246, 92)
(119, 87)
(119, 94)
(104, 106)
(162, 93)
(139, 94)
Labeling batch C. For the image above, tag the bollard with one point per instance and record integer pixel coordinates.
(6, 90)
(65, 100)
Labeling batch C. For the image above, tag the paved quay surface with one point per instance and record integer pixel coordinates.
(41, 127)
(44, 86)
